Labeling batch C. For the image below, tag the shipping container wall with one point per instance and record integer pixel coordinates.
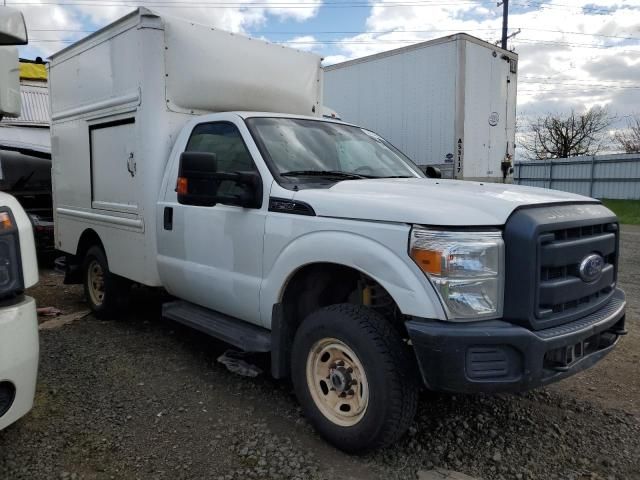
(407, 97)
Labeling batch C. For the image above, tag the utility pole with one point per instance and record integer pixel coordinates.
(505, 22)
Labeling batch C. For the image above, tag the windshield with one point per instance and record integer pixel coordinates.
(312, 148)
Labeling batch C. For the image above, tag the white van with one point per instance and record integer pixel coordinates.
(18, 265)
(313, 239)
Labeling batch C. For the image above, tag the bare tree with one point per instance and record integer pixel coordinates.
(629, 139)
(557, 136)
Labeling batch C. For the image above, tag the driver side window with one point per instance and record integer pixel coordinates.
(225, 141)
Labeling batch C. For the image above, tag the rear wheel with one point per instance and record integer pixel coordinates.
(105, 292)
(354, 377)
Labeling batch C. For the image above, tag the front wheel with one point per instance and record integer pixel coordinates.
(354, 377)
(105, 292)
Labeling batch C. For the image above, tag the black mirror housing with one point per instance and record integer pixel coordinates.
(433, 172)
(197, 182)
(199, 179)
(250, 186)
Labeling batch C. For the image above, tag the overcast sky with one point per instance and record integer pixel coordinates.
(572, 54)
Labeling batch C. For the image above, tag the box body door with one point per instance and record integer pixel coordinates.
(114, 166)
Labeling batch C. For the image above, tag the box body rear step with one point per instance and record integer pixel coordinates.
(238, 333)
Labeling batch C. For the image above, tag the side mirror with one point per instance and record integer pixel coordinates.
(197, 184)
(433, 172)
(13, 30)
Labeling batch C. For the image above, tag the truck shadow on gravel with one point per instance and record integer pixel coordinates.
(142, 397)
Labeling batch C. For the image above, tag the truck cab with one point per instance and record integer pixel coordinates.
(315, 240)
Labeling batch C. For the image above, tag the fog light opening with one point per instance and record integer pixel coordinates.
(7, 396)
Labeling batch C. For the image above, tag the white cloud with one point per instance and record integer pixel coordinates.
(49, 17)
(557, 71)
(332, 59)
(304, 42)
(52, 19)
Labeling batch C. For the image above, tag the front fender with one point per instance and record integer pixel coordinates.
(402, 279)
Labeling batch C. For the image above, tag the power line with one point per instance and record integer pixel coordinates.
(579, 33)
(335, 4)
(578, 45)
(312, 32)
(573, 90)
(598, 85)
(545, 6)
(241, 5)
(398, 41)
(60, 30)
(528, 78)
(386, 32)
(401, 40)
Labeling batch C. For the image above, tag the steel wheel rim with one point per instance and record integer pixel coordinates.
(337, 382)
(96, 282)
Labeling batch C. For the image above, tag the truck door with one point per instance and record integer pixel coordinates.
(212, 256)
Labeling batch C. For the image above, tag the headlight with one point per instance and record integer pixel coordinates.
(11, 281)
(466, 268)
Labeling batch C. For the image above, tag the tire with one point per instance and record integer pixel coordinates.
(381, 405)
(106, 293)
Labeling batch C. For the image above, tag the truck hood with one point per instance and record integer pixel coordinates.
(428, 201)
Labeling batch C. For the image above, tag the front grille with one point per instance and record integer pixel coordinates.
(544, 248)
(561, 291)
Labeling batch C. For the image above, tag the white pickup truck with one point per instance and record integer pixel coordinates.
(18, 265)
(312, 239)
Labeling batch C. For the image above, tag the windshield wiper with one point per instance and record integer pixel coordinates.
(397, 176)
(323, 173)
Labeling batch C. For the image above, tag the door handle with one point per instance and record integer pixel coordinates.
(168, 218)
(131, 165)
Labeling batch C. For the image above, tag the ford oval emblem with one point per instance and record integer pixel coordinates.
(591, 267)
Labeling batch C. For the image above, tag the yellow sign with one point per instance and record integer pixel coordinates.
(33, 71)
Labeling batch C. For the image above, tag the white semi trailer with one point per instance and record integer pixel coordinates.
(449, 102)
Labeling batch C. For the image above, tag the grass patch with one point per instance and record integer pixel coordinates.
(628, 211)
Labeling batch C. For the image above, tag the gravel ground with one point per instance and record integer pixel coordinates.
(141, 397)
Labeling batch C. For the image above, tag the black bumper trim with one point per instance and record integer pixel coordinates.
(498, 356)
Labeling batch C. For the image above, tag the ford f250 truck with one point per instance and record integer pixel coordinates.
(18, 265)
(311, 239)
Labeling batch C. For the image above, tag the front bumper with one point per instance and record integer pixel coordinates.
(498, 356)
(19, 350)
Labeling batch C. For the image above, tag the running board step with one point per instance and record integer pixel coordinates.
(238, 333)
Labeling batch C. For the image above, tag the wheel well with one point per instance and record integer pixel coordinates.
(88, 239)
(73, 274)
(318, 285)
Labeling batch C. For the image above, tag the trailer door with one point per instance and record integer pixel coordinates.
(489, 116)
(501, 120)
